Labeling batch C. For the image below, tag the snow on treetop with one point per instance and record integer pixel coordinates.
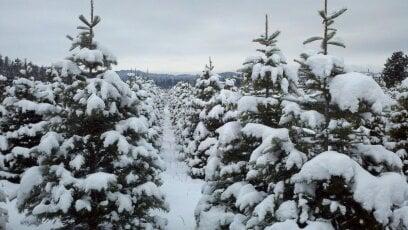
(259, 70)
(263, 131)
(380, 194)
(94, 103)
(113, 78)
(38, 108)
(23, 81)
(228, 97)
(97, 181)
(264, 153)
(323, 65)
(250, 103)
(380, 154)
(136, 124)
(30, 178)
(326, 165)
(109, 56)
(67, 67)
(216, 112)
(89, 56)
(229, 132)
(245, 194)
(348, 90)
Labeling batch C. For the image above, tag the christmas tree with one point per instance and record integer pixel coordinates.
(97, 169)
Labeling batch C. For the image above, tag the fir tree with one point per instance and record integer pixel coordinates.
(180, 105)
(395, 69)
(207, 86)
(398, 127)
(266, 76)
(332, 121)
(249, 172)
(97, 170)
(29, 107)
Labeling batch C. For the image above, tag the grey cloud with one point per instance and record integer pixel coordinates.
(179, 35)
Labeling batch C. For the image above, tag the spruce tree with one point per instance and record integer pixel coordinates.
(398, 126)
(180, 105)
(395, 69)
(29, 107)
(332, 120)
(249, 172)
(266, 80)
(207, 86)
(97, 170)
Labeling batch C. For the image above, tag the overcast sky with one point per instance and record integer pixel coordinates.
(178, 35)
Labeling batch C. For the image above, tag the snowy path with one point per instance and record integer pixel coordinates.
(181, 191)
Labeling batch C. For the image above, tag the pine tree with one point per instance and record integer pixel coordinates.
(207, 86)
(331, 126)
(29, 107)
(180, 105)
(97, 169)
(252, 165)
(395, 69)
(265, 76)
(398, 127)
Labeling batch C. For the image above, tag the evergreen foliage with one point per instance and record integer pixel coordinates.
(97, 168)
(28, 109)
(207, 88)
(398, 126)
(395, 69)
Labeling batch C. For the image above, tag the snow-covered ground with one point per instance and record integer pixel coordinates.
(182, 192)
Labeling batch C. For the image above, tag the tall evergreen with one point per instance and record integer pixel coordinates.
(180, 105)
(97, 170)
(332, 126)
(266, 80)
(398, 126)
(247, 174)
(29, 107)
(395, 69)
(207, 86)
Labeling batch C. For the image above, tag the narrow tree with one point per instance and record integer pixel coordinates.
(398, 127)
(207, 86)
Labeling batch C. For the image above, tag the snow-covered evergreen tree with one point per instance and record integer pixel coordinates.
(395, 69)
(248, 173)
(97, 170)
(208, 86)
(267, 79)
(150, 107)
(340, 183)
(180, 106)
(398, 127)
(28, 108)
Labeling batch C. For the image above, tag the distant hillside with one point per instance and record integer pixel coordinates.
(167, 81)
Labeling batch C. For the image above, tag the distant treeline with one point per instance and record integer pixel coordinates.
(167, 81)
(12, 68)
